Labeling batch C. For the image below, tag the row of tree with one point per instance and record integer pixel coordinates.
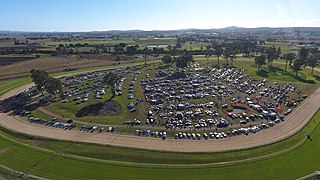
(44, 82)
(245, 46)
(305, 57)
(52, 85)
(181, 62)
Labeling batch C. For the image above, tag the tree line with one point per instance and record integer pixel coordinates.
(245, 46)
(305, 57)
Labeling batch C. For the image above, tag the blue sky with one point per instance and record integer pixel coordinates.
(89, 15)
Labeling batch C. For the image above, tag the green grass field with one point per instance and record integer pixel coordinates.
(275, 73)
(93, 42)
(295, 162)
(142, 42)
(285, 47)
(8, 85)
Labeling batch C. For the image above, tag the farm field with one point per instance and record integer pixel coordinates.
(54, 64)
(130, 41)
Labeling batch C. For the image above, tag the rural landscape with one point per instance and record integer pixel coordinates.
(229, 102)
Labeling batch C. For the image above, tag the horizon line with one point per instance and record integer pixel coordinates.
(146, 30)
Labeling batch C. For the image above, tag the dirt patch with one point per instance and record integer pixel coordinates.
(53, 64)
(17, 48)
(97, 57)
(4, 150)
(108, 108)
(10, 60)
(36, 142)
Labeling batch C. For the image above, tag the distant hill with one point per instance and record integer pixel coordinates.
(226, 29)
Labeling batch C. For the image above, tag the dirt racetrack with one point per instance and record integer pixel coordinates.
(292, 124)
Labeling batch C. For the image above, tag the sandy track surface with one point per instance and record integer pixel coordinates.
(292, 124)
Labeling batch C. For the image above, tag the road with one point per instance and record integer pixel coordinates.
(292, 124)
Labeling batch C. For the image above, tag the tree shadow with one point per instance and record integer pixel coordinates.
(107, 108)
(262, 73)
(304, 80)
(316, 77)
(265, 73)
(275, 69)
(13, 103)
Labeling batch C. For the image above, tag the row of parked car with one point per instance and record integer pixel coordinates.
(221, 135)
(92, 129)
(53, 123)
(68, 125)
(198, 136)
(149, 133)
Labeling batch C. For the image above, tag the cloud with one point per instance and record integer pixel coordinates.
(310, 23)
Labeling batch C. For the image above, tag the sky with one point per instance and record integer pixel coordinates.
(101, 15)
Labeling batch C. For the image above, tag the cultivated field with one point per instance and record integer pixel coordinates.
(59, 64)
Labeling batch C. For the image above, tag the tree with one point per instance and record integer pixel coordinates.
(271, 55)
(259, 61)
(39, 77)
(167, 59)
(53, 85)
(297, 64)
(278, 53)
(233, 56)
(146, 51)
(119, 48)
(313, 60)
(111, 80)
(169, 47)
(208, 54)
(132, 49)
(145, 57)
(218, 51)
(178, 45)
(303, 53)
(183, 61)
(289, 57)
(227, 55)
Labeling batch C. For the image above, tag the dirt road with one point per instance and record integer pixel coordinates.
(292, 124)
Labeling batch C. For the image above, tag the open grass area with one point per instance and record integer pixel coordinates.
(295, 163)
(285, 47)
(276, 73)
(142, 42)
(8, 85)
(147, 156)
(93, 41)
(33, 55)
